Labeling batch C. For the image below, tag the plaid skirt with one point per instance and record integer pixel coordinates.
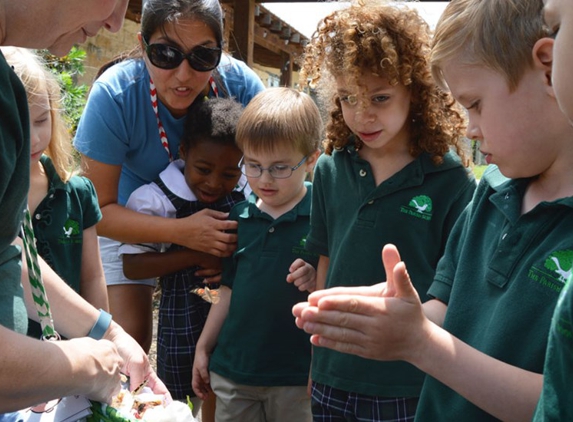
(334, 405)
(182, 316)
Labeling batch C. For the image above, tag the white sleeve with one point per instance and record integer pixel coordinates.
(148, 199)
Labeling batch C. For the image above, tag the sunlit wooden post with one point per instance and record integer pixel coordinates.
(244, 30)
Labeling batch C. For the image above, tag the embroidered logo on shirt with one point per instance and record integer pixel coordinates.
(71, 230)
(557, 268)
(300, 249)
(419, 206)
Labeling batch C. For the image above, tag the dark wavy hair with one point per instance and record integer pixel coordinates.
(390, 41)
(157, 13)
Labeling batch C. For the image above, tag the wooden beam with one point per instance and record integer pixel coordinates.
(244, 30)
(286, 69)
(275, 43)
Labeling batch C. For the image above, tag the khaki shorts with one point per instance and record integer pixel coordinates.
(246, 403)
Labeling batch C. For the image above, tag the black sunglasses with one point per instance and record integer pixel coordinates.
(200, 58)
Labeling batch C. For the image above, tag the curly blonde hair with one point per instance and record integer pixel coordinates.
(390, 41)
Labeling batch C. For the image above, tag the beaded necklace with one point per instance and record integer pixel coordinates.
(162, 134)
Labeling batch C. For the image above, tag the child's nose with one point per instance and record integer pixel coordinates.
(34, 139)
(214, 181)
(266, 176)
(363, 115)
(473, 131)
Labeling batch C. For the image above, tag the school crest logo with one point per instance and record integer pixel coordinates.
(556, 270)
(70, 232)
(419, 206)
(560, 262)
(300, 248)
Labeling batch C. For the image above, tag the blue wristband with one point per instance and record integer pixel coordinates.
(101, 325)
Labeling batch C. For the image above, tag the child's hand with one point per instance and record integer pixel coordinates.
(200, 381)
(210, 276)
(302, 275)
(383, 322)
(210, 269)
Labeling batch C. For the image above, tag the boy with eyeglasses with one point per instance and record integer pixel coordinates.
(250, 353)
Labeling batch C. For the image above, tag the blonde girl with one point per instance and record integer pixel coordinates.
(63, 206)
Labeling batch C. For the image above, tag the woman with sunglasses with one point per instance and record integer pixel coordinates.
(130, 131)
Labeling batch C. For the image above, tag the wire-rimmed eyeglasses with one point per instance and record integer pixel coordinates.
(277, 171)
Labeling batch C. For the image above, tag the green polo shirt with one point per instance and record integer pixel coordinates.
(501, 275)
(259, 343)
(14, 184)
(556, 402)
(60, 219)
(59, 222)
(352, 219)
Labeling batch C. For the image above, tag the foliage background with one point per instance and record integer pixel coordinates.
(67, 69)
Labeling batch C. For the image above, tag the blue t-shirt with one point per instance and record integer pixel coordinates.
(119, 126)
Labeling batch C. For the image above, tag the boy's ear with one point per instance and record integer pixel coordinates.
(543, 58)
(311, 160)
(181, 152)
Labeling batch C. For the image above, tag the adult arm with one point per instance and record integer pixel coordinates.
(157, 264)
(203, 231)
(217, 315)
(92, 284)
(35, 371)
(74, 317)
(387, 322)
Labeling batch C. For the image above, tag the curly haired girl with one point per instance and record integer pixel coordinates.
(395, 171)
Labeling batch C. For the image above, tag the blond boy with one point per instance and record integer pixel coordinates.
(250, 352)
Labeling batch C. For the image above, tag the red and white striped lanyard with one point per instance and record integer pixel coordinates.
(162, 134)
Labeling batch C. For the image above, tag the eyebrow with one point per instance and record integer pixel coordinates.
(370, 92)
(171, 42)
(44, 112)
(257, 162)
(463, 99)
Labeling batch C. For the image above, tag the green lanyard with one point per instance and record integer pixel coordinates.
(35, 276)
